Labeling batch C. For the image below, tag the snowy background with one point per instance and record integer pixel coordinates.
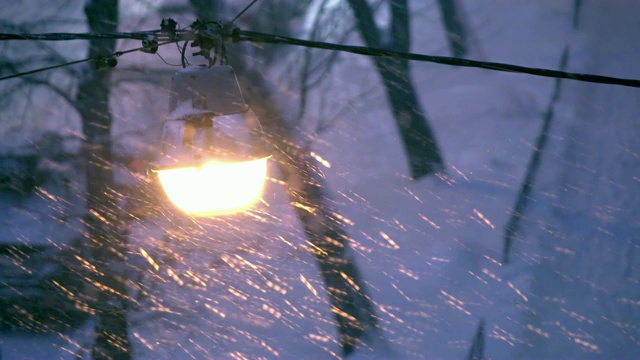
(430, 251)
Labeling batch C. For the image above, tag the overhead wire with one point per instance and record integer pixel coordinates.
(138, 35)
(257, 37)
(165, 61)
(115, 54)
(183, 50)
(237, 35)
(243, 11)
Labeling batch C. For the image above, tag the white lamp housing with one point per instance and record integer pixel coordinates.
(213, 159)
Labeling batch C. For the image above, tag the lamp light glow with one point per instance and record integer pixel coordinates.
(213, 158)
(215, 188)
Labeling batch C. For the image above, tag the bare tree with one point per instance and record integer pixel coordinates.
(418, 138)
(91, 101)
(107, 246)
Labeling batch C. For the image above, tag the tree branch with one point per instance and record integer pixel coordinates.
(454, 27)
(423, 153)
(366, 23)
(400, 26)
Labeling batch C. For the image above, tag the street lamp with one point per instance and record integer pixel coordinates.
(213, 158)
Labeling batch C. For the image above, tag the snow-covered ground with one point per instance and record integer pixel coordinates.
(430, 251)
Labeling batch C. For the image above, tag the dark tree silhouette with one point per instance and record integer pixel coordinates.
(419, 140)
(455, 27)
(107, 246)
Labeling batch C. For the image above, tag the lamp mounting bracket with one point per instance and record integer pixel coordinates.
(209, 37)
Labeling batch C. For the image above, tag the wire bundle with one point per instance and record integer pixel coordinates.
(211, 40)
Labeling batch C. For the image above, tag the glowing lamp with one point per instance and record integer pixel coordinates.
(213, 158)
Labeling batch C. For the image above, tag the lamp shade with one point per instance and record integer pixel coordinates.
(213, 157)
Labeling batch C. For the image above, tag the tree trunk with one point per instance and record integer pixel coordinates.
(351, 305)
(106, 245)
(419, 140)
(454, 26)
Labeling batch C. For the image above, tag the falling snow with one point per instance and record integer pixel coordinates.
(248, 286)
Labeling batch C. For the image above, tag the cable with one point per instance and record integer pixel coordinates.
(115, 54)
(44, 69)
(256, 37)
(183, 58)
(165, 61)
(243, 11)
(140, 35)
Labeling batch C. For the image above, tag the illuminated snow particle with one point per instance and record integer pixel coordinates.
(491, 275)
(343, 219)
(337, 311)
(276, 287)
(324, 339)
(413, 195)
(454, 302)
(149, 259)
(484, 218)
(389, 240)
(294, 308)
(277, 314)
(588, 345)
(350, 281)
(401, 292)
(629, 301)
(237, 293)
(321, 160)
(99, 216)
(502, 334)
(408, 272)
(429, 221)
(395, 317)
(517, 291)
(460, 173)
(477, 277)
(575, 315)
(215, 311)
(274, 352)
(309, 209)
(564, 250)
(537, 331)
(493, 260)
(308, 285)
(142, 340)
(196, 278)
(175, 277)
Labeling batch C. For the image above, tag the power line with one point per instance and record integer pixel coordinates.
(252, 36)
(113, 55)
(30, 72)
(257, 37)
(243, 11)
(139, 35)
